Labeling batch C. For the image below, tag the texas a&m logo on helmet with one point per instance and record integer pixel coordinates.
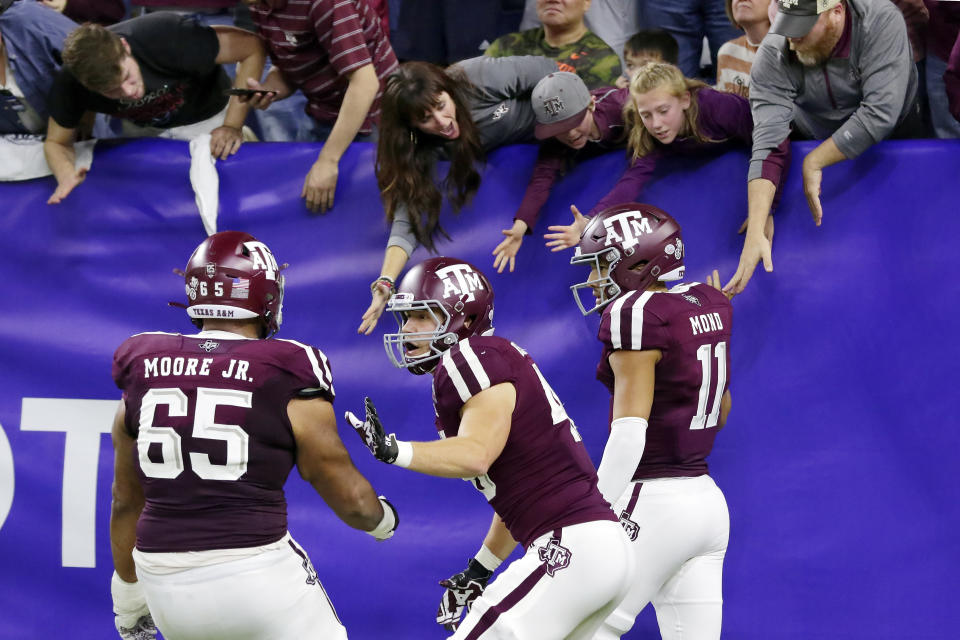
(629, 247)
(455, 293)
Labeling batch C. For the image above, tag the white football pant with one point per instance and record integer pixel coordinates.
(592, 570)
(682, 527)
(269, 592)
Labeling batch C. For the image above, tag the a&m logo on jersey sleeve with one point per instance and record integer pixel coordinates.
(459, 280)
(626, 228)
(555, 556)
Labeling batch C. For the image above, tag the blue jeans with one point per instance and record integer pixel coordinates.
(689, 21)
(314, 131)
(944, 124)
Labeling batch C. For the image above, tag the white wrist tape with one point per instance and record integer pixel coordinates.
(628, 436)
(388, 522)
(129, 603)
(404, 454)
(487, 558)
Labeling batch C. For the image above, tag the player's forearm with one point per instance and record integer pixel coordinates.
(498, 539)
(456, 457)
(354, 501)
(123, 537)
(356, 105)
(760, 193)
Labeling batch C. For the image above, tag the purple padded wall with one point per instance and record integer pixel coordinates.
(837, 460)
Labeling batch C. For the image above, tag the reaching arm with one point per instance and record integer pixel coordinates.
(59, 152)
(323, 461)
(236, 45)
(632, 399)
(321, 182)
(484, 427)
(756, 244)
(826, 154)
(394, 260)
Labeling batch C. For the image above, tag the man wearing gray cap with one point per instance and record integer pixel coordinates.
(840, 71)
(573, 124)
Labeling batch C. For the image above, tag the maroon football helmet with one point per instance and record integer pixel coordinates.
(630, 246)
(232, 275)
(451, 291)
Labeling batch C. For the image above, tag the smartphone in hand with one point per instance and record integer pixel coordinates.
(247, 93)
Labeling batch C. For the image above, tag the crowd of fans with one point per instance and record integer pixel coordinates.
(438, 80)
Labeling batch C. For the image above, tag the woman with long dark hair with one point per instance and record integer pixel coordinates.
(430, 113)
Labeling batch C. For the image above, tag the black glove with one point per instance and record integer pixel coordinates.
(382, 446)
(462, 590)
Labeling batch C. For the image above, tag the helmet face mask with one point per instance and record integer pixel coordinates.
(455, 294)
(402, 305)
(637, 244)
(233, 276)
(600, 262)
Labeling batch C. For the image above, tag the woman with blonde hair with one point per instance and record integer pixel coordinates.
(669, 115)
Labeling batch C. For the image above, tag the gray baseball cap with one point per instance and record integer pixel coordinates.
(795, 18)
(559, 102)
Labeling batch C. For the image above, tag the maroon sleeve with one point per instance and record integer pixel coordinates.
(916, 16)
(952, 79)
(549, 166)
(340, 33)
(631, 183)
(103, 12)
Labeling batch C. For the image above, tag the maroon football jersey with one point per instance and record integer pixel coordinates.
(215, 446)
(544, 478)
(690, 325)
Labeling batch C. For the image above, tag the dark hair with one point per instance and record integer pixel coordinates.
(406, 157)
(659, 41)
(93, 55)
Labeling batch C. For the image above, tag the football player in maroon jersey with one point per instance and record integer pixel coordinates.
(666, 362)
(208, 430)
(503, 429)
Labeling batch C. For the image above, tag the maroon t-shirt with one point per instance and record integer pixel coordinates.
(543, 478)
(214, 443)
(317, 44)
(690, 325)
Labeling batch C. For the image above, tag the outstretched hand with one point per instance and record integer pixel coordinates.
(755, 249)
(382, 446)
(812, 180)
(369, 320)
(506, 251)
(566, 236)
(64, 188)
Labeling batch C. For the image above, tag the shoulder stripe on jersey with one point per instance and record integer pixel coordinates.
(633, 316)
(454, 374)
(320, 369)
(475, 367)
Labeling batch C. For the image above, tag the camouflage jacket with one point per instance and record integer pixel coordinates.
(589, 57)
